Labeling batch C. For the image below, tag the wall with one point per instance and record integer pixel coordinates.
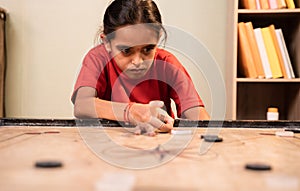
(46, 41)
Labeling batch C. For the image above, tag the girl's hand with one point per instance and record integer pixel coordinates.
(160, 117)
(151, 114)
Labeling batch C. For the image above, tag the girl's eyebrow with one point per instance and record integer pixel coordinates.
(150, 45)
(122, 47)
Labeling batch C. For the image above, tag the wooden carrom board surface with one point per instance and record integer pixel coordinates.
(220, 167)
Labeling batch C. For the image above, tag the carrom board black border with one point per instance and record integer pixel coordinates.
(177, 123)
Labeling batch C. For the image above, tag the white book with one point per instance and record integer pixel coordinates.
(263, 53)
(258, 4)
(285, 54)
(273, 4)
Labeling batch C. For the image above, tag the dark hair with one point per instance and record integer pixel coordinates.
(129, 12)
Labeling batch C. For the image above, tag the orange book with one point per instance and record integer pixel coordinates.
(264, 4)
(277, 48)
(249, 4)
(254, 50)
(271, 52)
(290, 4)
(246, 61)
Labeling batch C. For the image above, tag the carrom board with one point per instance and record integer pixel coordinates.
(96, 158)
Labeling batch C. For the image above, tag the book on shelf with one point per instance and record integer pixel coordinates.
(263, 53)
(281, 4)
(273, 4)
(264, 4)
(254, 50)
(290, 4)
(277, 48)
(269, 4)
(246, 61)
(285, 55)
(249, 4)
(257, 4)
(271, 52)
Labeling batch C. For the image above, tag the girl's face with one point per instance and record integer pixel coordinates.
(133, 48)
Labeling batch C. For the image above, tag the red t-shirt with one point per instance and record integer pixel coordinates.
(166, 79)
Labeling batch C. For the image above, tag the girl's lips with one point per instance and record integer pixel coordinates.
(137, 70)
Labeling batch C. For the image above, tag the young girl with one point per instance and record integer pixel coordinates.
(128, 78)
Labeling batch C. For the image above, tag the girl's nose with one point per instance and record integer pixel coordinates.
(137, 59)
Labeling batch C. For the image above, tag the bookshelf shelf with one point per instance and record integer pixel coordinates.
(249, 98)
(269, 11)
(245, 80)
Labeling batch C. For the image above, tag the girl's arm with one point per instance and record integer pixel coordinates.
(196, 113)
(88, 106)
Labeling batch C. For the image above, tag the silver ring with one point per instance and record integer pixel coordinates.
(155, 122)
(162, 117)
(161, 126)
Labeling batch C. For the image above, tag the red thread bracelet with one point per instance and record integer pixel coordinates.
(126, 112)
(128, 109)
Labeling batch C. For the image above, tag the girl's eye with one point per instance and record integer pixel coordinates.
(148, 49)
(126, 51)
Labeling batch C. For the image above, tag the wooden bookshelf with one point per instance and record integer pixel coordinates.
(248, 99)
(2, 59)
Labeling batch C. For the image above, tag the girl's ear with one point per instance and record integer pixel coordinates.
(105, 42)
